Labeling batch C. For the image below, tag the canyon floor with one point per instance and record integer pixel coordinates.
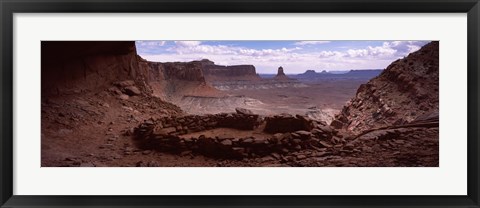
(96, 129)
(320, 100)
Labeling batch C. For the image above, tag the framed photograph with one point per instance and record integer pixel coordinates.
(239, 104)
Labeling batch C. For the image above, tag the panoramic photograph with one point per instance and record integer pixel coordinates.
(244, 103)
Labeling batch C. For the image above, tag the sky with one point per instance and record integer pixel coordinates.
(294, 56)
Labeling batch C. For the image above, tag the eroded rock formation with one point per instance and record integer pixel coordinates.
(405, 90)
(281, 75)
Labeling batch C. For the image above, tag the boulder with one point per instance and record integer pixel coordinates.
(325, 144)
(304, 135)
(125, 83)
(227, 142)
(243, 111)
(326, 129)
(123, 97)
(336, 124)
(278, 136)
(132, 91)
(168, 130)
(317, 132)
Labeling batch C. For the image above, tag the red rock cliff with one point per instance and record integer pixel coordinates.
(405, 90)
(172, 80)
(87, 65)
(186, 71)
(74, 66)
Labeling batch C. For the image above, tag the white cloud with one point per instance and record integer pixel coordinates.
(380, 51)
(413, 48)
(192, 48)
(357, 53)
(266, 52)
(294, 60)
(151, 43)
(311, 42)
(404, 47)
(187, 43)
(394, 49)
(324, 54)
(205, 49)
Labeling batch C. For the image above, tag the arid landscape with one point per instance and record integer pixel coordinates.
(104, 105)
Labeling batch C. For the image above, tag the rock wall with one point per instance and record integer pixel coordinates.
(75, 66)
(287, 123)
(405, 90)
(167, 134)
(194, 123)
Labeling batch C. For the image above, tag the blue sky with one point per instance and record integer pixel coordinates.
(293, 56)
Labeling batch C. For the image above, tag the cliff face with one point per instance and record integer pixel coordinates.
(174, 80)
(214, 72)
(187, 71)
(405, 90)
(69, 66)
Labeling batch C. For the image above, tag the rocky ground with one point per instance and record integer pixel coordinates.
(90, 128)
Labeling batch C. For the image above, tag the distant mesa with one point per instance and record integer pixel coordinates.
(213, 72)
(311, 72)
(365, 74)
(314, 73)
(206, 62)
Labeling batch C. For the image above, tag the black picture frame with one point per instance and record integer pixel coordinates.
(9, 7)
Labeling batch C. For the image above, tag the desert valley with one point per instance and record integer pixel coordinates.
(103, 105)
